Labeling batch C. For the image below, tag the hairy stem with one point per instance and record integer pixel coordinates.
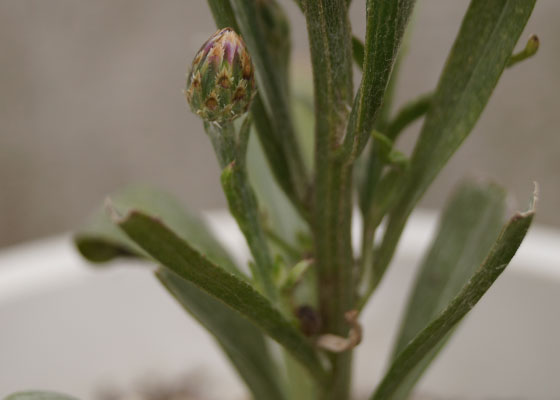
(331, 55)
(230, 150)
(277, 138)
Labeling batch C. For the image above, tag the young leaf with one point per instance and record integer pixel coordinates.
(530, 50)
(469, 226)
(429, 338)
(386, 22)
(178, 256)
(242, 342)
(38, 396)
(483, 46)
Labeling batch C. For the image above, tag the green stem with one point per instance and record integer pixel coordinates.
(281, 152)
(231, 150)
(406, 115)
(224, 142)
(409, 113)
(331, 56)
(358, 52)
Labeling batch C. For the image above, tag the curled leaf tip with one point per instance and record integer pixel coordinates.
(532, 45)
(112, 212)
(535, 198)
(530, 50)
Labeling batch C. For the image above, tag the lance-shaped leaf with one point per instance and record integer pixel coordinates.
(100, 240)
(267, 48)
(241, 341)
(469, 226)
(481, 51)
(270, 137)
(485, 43)
(178, 256)
(424, 343)
(39, 396)
(358, 52)
(386, 22)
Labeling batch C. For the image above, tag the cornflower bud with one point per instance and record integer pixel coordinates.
(221, 83)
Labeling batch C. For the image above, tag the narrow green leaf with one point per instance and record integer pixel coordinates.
(178, 256)
(488, 35)
(279, 217)
(409, 113)
(429, 338)
(468, 227)
(368, 165)
(101, 241)
(242, 342)
(38, 396)
(388, 154)
(273, 85)
(223, 14)
(358, 52)
(384, 195)
(276, 28)
(270, 137)
(386, 22)
(384, 191)
(483, 46)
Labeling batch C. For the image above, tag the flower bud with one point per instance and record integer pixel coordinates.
(221, 83)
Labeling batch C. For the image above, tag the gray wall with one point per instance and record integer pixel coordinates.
(90, 100)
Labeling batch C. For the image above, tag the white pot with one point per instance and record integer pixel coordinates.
(65, 326)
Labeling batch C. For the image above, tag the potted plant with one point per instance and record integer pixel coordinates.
(305, 287)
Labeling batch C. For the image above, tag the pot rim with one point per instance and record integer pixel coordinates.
(49, 263)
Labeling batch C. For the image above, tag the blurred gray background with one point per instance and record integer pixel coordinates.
(91, 100)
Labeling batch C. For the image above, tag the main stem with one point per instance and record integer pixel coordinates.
(334, 261)
(330, 42)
